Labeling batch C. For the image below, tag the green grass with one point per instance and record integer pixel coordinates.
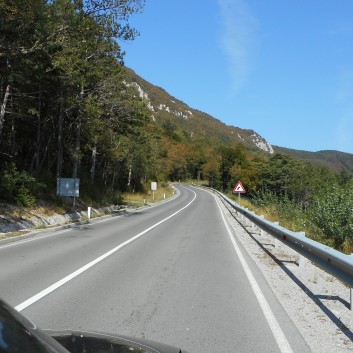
(293, 218)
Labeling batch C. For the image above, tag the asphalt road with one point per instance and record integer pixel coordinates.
(173, 273)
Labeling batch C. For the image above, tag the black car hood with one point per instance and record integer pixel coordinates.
(18, 334)
(86, 341)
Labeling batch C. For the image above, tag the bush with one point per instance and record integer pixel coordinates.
(19, 187)
(25, 198)
(288, 212)
(333, 213)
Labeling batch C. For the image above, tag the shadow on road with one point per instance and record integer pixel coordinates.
(316, 298)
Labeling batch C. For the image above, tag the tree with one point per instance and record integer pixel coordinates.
(210, 171)
(231, 157)
(63, 101)
(22, 39)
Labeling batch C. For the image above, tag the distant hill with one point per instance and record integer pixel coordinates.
(334, 160)
(171, 114)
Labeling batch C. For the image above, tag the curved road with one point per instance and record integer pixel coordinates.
(173, 273)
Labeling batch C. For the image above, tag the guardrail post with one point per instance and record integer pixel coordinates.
(246, 218)
(301, 262)
(252, 224)
(261, 230)
(276, 240)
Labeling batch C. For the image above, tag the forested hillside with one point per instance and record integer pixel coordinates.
(65, 110)
(334, 160)
(69, 108)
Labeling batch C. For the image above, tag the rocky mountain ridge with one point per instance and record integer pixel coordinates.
(166, 109)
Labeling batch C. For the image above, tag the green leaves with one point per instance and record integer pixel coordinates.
(62, 90)
(20, 187)
(333, 213)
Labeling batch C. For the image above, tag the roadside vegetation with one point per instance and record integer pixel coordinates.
(148, 197)
(300, 196)
(67, 109)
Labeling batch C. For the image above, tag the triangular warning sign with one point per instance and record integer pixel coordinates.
(239, 188)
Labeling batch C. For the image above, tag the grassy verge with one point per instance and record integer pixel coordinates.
(149, 197)
(292, 218)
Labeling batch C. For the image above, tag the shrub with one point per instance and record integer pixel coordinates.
(25, 198)
(333, 213)
(19, 187)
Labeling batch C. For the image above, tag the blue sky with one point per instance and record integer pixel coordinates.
(283, 68)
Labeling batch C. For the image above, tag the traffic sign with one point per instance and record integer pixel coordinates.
(239, 188)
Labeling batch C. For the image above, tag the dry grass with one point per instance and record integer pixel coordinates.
(12, 234)
(139, 199)
(267, 212)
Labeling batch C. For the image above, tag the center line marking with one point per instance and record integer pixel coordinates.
(68, 278)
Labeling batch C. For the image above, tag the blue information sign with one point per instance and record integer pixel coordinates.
(68, 187)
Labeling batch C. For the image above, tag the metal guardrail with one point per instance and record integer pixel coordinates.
(332, 261)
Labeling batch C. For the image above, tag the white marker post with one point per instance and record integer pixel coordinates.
(153, 188)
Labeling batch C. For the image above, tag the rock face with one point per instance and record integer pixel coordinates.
(167, 109)
(261, 143)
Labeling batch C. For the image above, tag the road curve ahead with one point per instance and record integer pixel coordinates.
(173, 273)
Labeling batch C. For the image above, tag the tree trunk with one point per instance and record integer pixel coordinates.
(77, 149)
(39, 123)
(129, 178)
(78, 138)
(3, 108)
(113, 181)
(94, 160)
(59, 163)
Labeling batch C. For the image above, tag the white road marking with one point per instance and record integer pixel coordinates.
(18, 242)
(71, 276)
(96, 221)
(277, 332)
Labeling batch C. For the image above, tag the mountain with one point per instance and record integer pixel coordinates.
(335, 160)
(171, 114)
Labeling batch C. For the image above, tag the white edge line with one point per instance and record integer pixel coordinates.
(96, 221)
(277, 332)
(71, 276)
(33, 238)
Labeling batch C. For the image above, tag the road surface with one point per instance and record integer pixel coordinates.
(173, 273)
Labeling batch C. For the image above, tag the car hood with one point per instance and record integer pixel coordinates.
(86, 341)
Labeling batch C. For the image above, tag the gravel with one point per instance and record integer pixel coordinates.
(317, 302)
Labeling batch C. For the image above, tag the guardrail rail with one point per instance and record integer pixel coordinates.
(332, 261)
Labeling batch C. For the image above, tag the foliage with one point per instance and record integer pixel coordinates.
(302, 197)
(25, 198)
(333, 213)
(66, 109)
(283, 210)
(20, 187)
